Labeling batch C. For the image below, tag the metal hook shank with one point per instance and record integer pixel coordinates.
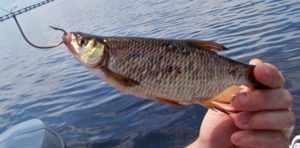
(33, 45)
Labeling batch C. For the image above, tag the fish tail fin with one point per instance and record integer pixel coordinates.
(260, 86)
(254, 83)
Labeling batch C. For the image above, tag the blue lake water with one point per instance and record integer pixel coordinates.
(87, 112)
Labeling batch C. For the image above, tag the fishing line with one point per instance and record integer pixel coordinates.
(4, 10)
(33, 45)
(26, 39)
(11, 10)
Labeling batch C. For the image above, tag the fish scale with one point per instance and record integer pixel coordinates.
(171, 82)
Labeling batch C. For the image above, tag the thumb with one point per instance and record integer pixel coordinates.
(267, 74)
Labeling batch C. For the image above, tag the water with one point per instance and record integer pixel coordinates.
(53, 86)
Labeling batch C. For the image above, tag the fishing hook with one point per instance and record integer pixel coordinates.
(26, 39)
(55, 28)
(33, 45)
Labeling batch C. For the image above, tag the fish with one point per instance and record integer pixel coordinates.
(173, 71)
(177, 72)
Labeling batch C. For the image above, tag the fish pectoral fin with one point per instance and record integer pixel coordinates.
(207, 45)
(168, 101)
(120, 79)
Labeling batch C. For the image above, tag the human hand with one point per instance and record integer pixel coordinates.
(264, 117)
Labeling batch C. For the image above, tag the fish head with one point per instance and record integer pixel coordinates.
(87, 49)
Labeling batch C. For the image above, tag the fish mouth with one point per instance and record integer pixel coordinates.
(67, 38)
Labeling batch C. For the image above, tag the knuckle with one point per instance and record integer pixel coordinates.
(278, 138)
(258, 93)
(291, 119)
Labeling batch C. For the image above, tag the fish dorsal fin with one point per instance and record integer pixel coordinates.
(207, 45)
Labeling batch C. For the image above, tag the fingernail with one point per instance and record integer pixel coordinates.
(243, 118)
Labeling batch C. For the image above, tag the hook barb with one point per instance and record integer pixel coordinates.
(56, 28)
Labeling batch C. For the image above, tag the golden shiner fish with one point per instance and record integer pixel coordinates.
(172, 71)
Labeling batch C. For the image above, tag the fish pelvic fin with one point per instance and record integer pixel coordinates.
(207, 45)
(221, 101)
(120, 79)
(168, 101)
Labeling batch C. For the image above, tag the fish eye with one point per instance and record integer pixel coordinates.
(82, 42)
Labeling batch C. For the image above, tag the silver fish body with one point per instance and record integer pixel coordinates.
(174, 71)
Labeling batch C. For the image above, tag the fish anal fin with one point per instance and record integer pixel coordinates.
(168, 101)
(207, 45)
(214, 106)
(226, 95)
(120, 79)
(221, 101)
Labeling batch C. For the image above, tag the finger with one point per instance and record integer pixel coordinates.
(255, 62)
(267, 74)
(272, 99)
(267, 120)
(212, 123)
(259, 139)
(287, 132)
